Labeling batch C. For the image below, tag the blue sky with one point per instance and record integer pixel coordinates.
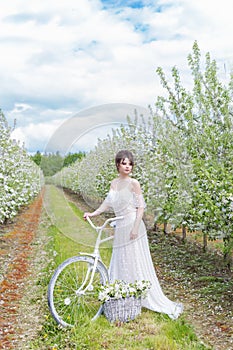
(61, 58)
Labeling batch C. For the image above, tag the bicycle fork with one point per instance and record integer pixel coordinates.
(90, 272)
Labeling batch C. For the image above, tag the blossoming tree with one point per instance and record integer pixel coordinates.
(20, 178)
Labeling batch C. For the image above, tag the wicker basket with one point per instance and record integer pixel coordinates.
(123, 310)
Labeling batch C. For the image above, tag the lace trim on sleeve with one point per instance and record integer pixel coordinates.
(139, 201)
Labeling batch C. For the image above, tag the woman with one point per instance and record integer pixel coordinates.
(131, 259)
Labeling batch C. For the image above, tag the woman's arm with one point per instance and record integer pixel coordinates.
(102, 208)
(139, 215)
(94, 213)
(140, 209)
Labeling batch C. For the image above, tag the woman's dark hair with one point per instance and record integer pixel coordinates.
(122, 155)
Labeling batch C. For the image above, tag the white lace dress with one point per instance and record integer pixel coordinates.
(131, 259)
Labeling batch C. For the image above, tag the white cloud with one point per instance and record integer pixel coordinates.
(35, 136)
(78, 131)
(61, 57)
(21, 107)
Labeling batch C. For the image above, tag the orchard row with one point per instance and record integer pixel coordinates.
(20, 178)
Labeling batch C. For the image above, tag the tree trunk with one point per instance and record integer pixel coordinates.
(156, 227)
(184, 233)
(165, 228)
(205, 241)
(227, 252)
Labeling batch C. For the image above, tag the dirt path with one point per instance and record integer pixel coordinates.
(16, 252)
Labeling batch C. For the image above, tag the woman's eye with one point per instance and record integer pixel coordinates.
(124, 163)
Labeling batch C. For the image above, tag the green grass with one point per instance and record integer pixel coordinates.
(63, 217)
(150, 330)
(205, 273)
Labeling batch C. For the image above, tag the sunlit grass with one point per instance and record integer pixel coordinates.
(148, 331)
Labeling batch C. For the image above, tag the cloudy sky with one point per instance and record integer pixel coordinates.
(60, 59)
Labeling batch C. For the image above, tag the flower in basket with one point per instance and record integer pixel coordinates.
(121, 300)
(120, 290)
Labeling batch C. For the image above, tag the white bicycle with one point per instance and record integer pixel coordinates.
(74, 287)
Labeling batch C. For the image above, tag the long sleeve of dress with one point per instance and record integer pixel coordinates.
(139, 201)
(105, 206)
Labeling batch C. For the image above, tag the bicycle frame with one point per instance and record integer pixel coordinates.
(95, 254)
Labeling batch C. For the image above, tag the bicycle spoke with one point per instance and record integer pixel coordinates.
(68, 303)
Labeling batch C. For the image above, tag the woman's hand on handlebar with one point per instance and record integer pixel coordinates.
(85, 215)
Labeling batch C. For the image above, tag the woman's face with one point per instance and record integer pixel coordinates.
(125, 167)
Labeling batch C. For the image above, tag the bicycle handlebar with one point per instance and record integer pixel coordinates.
(105, 223)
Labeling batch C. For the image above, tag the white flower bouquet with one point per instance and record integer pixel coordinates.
(120, 289)
(121, 300)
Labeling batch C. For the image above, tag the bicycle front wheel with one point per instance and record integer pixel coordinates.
(68, 300)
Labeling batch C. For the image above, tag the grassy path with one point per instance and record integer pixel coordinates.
(62, 233)
(66, 220)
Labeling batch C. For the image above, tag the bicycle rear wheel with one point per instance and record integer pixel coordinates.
(67, 302)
